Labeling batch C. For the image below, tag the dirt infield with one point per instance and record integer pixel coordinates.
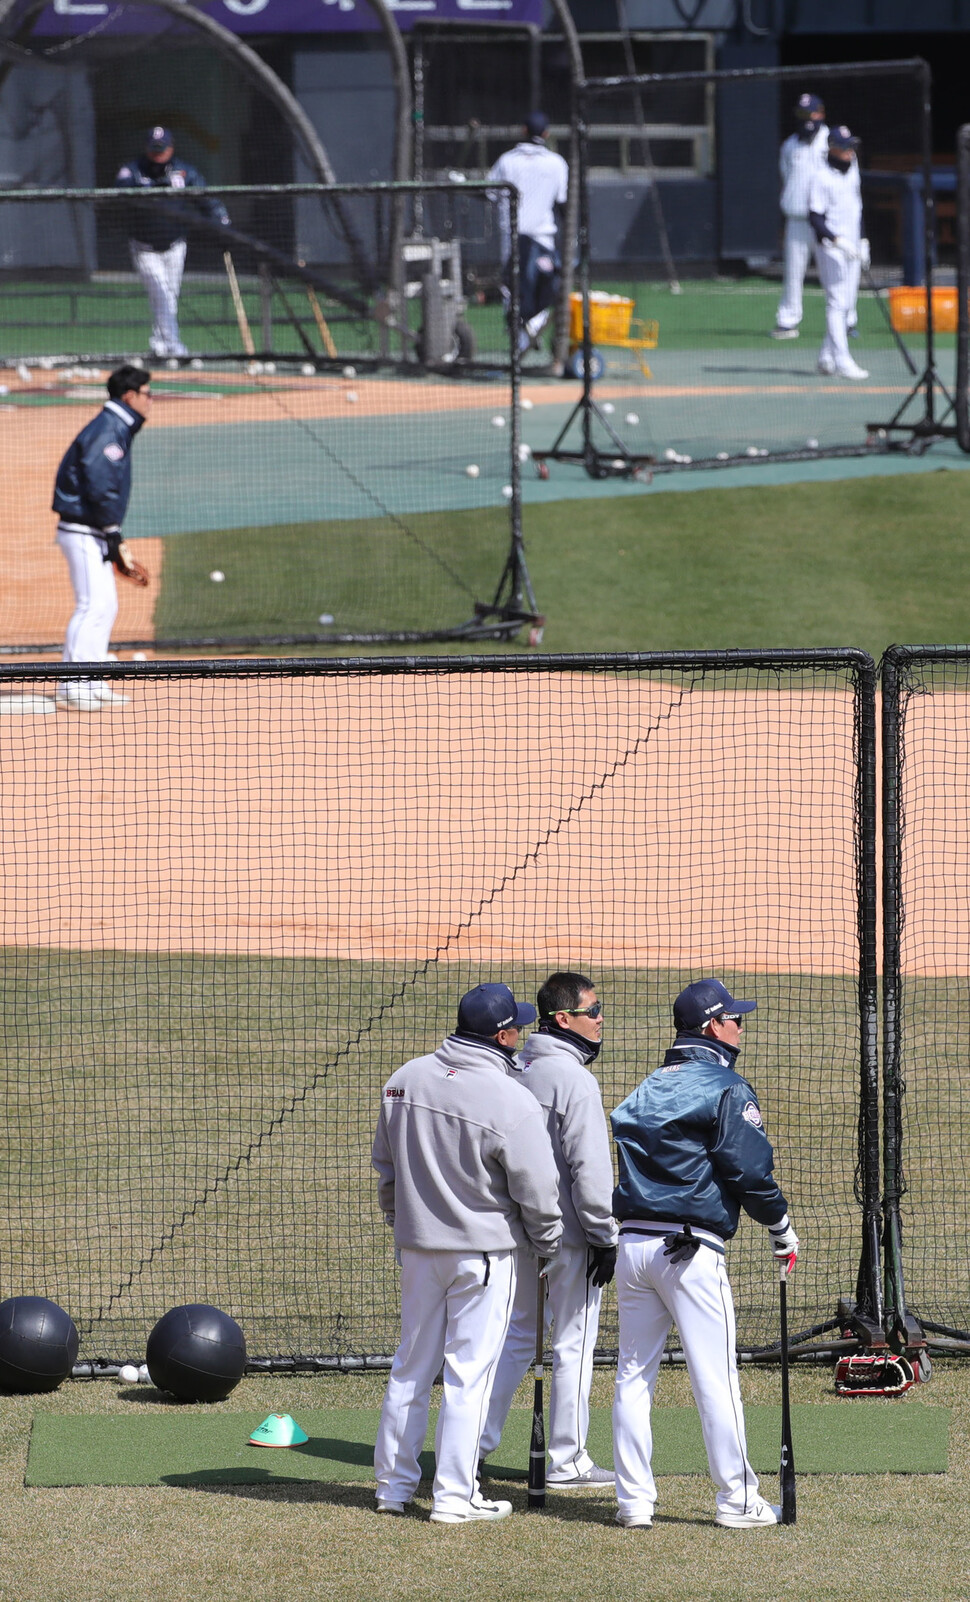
(371, 818)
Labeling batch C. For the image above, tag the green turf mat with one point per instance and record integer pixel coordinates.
(193, 1448)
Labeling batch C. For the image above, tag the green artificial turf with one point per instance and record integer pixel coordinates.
(192, 1447)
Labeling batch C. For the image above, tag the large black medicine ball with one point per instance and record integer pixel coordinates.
(38, 1344)
(197, 1353)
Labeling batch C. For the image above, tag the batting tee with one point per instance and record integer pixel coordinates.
(328, 855)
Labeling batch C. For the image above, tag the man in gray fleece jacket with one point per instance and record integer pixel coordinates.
(467, 1182)
(555, 1067)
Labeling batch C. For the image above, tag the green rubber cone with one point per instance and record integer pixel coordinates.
(278, 1429)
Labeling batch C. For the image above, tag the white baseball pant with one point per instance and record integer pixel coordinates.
(799, 248)
(455, 1310)
(840, 280)
(161, 273)
(95, 596)
(652, 1294)
(572, 1312)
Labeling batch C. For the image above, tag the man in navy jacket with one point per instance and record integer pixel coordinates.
(692, 1153)
(91, 497)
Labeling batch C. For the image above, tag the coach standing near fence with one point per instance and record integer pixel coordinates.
(835, 213)
(692, 1153)
(802, 154)
(555, 1065)
(542, 179)
(91, 494)
(467, 1181)
(157, 235)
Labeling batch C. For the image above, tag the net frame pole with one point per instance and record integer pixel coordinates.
(963, 288)
(869, 1300)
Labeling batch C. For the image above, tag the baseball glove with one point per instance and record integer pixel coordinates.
(127, 566)
(873, 1374)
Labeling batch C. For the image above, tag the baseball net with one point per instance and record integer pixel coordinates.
(329, 854)
(691, 378)
(926, 755)
(342, 445)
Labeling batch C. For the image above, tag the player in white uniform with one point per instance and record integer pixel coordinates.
(555, 1065)
(802, 154)
(467, 1181)
(835, 213)
(542, 179)
(692, 1152)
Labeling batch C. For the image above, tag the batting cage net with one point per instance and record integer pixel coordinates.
(334, 451)
(726, 370)
(319, 859)
(926, 754)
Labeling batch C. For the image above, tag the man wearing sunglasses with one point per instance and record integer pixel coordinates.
(692, 1153)
(555, 1066)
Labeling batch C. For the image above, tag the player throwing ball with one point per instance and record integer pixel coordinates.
(835, 213)
(692, 1153)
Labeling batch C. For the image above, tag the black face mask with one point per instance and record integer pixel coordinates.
(840, 163)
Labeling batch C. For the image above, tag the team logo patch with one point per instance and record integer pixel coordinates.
(752, 1114)
(393, 1093)
(178, 180)
(452, 1073)
(114, 453)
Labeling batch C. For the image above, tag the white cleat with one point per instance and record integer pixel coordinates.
(79, 698)
(784, 333)
(107, 695)
(476, 1511)
(852, 370)
(575, 1481)
(763, 1514)
(395, 1508)
(635, 1521)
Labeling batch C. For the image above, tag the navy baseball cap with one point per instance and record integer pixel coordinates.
(159, 138)
(841, 139)
(537, 122)
(809, 106)
(703, 1000)
(489, 1008)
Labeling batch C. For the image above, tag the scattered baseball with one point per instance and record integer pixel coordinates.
(350, 372)
(722, 456)
(507, 491)
(196, 364)
(307, 370)
(269, 367)
(632, 418)
(139, 656)
(527, 405)
(751, 450)
(128, 1374)
(670, 455)
(687, 460)
(325, 618)
(216, 576)
(472, 470)
(351, 396)
(618, 464)
(172, 364)
(525, 451)
(812, 444)
(253, 368)
(23, 373)
(607, 407)
(498, 422)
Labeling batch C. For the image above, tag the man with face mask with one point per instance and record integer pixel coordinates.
(835, 213)
(157, 241)
(555, 1066)
(802, 154)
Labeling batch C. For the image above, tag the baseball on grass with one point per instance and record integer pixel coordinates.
(128, 1374)
(498, 422)
(607, 407)
(526, 404)
(751, 450)
(217, 576)
(507, 491)
(812, 444)
(632, 417)
(308, 370)
(196, 364)
(525, 451)
(325, 618)
(350, 372)
(471, 470)
(269, 367)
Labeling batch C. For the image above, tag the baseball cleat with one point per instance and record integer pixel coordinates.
(475, 1512)
(80, 698)
(852, 370)
(110, 697)
(635, 1521)
(397, 1508)
(784, 333)
(762, 1514)
(574, 1481)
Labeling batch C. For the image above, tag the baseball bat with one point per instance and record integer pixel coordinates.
(871, 284)
(537, 1445)
(787, 1450)
(237, 301)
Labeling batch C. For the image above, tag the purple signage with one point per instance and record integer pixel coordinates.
(292, 16)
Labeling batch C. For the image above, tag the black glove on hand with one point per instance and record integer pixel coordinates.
(601, 1264)
(681, 1247)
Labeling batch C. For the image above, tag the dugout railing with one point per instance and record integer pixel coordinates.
(926, 1015)
(709, 388)
(328, 854)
